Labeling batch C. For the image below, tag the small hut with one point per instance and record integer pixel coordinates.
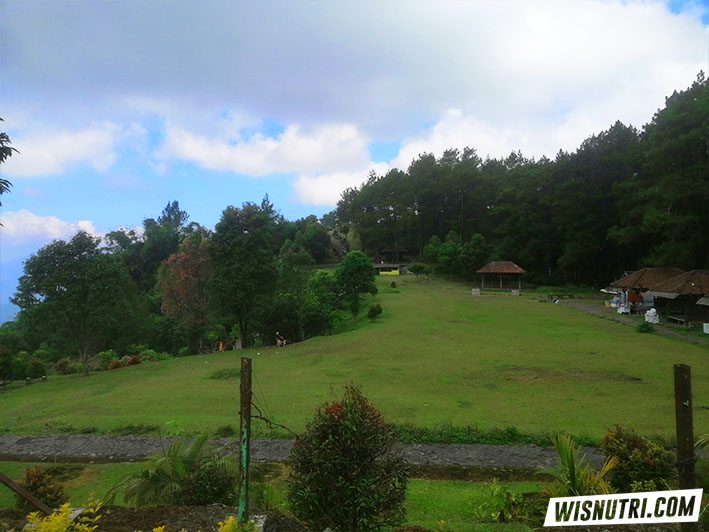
(682, 298)
(501, 274)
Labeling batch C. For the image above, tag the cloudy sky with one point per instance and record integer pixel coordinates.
(118, 107)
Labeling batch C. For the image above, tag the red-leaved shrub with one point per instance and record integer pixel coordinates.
(132, 361)
(115, 364)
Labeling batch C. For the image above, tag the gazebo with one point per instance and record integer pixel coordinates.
(501, 274)
(680, 296)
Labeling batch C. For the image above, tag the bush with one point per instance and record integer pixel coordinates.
(135, 349)
(225, 431)
(134, 361)
(184, 352)
(500, 504)
(343, 476)
(41, 484)
(45, 354)
(190, 473)
(642, 465)
(106, 357)
(147, 354)
(574, 476)
(115, 364)
(645, 327)
(35, 369)
(393, 284)
(417, 268)
(65, 366)
(374, 311)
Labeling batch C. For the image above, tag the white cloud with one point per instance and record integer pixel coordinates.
(456, 129)
(23, 226)
(52, 152)
(325, 189)
(325, 148)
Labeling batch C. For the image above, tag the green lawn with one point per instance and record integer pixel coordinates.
(427, 501)
(436, 356)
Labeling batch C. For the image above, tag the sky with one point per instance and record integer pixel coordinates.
(120, 106)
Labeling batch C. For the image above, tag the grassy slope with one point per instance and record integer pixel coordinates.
(437, 355)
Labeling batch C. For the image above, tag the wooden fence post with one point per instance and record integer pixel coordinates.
(685, 432)
(22, 492)
(245, 438)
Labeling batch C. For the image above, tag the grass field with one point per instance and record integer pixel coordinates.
(436, 356)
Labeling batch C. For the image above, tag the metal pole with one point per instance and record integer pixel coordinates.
(245, 438)
(685, 432)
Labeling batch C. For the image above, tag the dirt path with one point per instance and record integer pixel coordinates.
(90, 448)
(611, 314)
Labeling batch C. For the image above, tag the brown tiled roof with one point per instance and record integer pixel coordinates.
(502, 266)
(695, 282)
(646, 278)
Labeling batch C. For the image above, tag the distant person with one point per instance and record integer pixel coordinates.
(280, 341)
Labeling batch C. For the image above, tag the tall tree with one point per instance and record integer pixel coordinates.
(294, 270)
(354, 276)
(75, 295)
(182, 286)
(244, 269)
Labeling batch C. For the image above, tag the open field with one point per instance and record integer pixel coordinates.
(436, 356)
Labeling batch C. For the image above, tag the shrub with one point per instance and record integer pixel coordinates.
(135, 349)
(642, 465)
(65, 366)
(343, 476)
(500, 504)
(45, 355)
(574, 476)
(147, 354)
(150, 355)
(184, 351)
(35, 368)
(374, 311)
(417, 268)
(225, 431)
(645, 327)
(188, 473)
(106, 357)
(115, 364)
(61, 520)
(43, 486)
(393, 284)
(133, 361)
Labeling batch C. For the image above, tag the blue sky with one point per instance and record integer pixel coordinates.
(119, 107)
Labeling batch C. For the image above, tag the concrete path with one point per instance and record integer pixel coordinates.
(80, 448)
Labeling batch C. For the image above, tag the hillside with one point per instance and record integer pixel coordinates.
(436, 356)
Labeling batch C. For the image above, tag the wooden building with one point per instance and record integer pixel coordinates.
(683, 298)
(501, 274)
(645, 279)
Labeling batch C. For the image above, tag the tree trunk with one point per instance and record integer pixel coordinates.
(243, 324)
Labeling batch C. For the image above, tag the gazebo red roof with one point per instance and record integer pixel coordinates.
(646, 278)
(501, 266)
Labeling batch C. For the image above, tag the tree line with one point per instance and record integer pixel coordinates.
(624, 199)
(178, 287)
